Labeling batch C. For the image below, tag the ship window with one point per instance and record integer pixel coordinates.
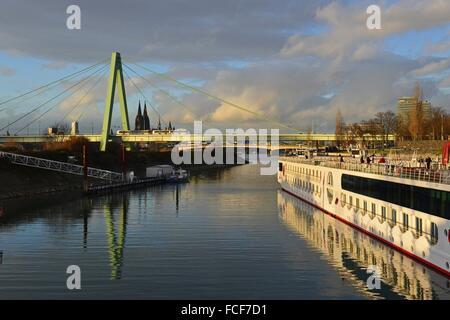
(357, 203)
(383, 214)
(365, 206)
(418, 227)
(374, 208)
(422, 199)
(343, 199)
(405, 221)
(280, 167)
(330, 179)
(394, 217)
(434, 233)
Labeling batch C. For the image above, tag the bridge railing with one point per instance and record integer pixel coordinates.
(59, 166)
(438, 175)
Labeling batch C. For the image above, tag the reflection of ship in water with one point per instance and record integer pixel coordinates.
(352, 252)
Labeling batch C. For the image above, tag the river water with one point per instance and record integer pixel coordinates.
(228, 234)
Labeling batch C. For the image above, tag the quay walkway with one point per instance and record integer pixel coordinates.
(121, 186)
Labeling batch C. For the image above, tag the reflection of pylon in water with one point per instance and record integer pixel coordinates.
(116, 238)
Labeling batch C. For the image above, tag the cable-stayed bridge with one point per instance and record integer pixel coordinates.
(16, 127)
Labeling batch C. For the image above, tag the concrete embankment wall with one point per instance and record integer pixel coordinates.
(18, 181)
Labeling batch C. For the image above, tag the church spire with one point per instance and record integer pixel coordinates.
(146, 118)
(159, 123)
(139, 121)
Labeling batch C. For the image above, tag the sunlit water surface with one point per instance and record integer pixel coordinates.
(228, 234)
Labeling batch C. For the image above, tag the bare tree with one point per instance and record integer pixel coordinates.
(386, 123)
(62, 127)
(437, 123)
(339, 128)
(416, 122)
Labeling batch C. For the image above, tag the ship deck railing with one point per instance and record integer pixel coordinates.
(436, 174)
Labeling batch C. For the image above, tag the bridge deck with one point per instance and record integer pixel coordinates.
(177, 137)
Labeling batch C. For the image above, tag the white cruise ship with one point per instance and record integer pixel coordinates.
(405, 207)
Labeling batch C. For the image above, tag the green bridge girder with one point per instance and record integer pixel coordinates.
(115, 77)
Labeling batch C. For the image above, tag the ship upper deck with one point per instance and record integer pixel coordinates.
(399, 169)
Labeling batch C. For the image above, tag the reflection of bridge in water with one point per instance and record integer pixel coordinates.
(117, 230)
(352, 252)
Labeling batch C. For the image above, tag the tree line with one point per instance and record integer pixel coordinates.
(416, 126)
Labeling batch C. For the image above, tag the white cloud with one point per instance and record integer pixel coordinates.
(432, 68)
(348, 38)
(290, 73)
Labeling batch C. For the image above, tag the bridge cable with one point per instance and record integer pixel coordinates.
(52, 83)
(44, 103)
(84, 111)
(47, 89)
(56, 104)
(162, 90)
(198, 90)
(142, 93)
(100, 77)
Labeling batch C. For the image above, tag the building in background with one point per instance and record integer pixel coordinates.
(146, 119)
(139, 120)
(142, 121)
(405, 105)
(74, 129)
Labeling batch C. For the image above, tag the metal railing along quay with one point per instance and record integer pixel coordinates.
(439, 175)
(59, 166)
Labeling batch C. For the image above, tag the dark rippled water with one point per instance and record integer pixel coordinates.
(228, 234)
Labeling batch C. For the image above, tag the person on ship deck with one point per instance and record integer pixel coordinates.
(428, 162)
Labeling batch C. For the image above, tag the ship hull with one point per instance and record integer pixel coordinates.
(321, 187)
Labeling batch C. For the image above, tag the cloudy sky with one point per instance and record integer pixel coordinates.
(294, 61)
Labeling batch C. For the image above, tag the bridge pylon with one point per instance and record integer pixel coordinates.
(115, 77)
